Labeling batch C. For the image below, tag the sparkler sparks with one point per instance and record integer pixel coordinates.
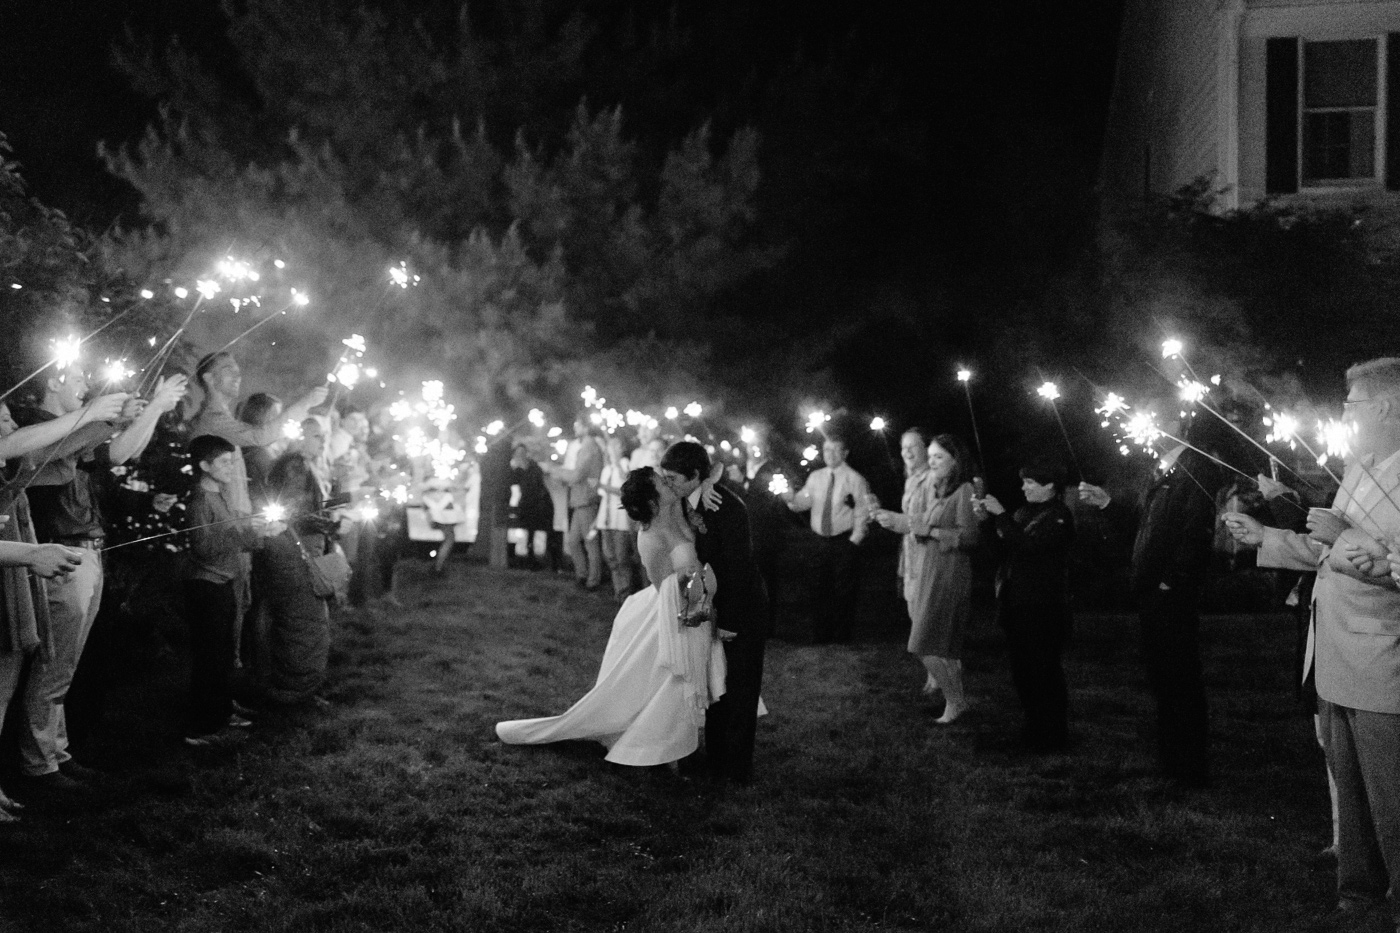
(672, 413)
(1334, 437)
(778, 485)
(1283, 429)
(536, 417)
(815, 420)
(274, 512)
(693, 409)
(1192, 391)
(1048, 391)
(66, 352)
(1171, 347)
(877, 423)
(964, 374)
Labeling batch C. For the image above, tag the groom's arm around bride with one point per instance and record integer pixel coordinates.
(723, 541)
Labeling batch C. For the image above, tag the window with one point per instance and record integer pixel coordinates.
(1340, 107)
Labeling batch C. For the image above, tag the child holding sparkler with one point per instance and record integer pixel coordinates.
(219, 534)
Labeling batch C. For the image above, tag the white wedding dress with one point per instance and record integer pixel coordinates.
(657, 678)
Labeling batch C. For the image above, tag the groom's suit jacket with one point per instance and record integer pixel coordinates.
(725, 544)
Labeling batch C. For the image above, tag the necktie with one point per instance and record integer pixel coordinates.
(826, 530)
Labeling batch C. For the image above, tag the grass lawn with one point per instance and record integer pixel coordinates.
(397, 809)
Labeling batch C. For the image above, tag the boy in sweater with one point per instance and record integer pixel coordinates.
(219, 535)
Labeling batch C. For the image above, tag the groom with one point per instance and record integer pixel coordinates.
(741, 606)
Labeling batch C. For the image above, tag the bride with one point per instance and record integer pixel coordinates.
(663, 665)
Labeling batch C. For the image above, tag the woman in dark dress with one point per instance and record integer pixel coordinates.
(298, 629)
(534, 510)
(1033, 600)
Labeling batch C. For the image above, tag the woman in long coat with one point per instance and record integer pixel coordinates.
(935, 561)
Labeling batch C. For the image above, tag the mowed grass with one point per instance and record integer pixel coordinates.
(397, 809)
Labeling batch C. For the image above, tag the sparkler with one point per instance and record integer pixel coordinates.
(778, 485)
(1051, 393)
(877, 424)
(965, 377)
(270, 513)
(297, 300)
(816, 419)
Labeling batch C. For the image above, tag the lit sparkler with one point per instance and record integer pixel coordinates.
(778, 485)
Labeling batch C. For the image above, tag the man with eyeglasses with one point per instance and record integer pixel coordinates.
(1355, 639)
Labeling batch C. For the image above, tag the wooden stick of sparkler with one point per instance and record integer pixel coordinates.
(965, 377)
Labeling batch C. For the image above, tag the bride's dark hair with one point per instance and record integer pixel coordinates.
(639, 495)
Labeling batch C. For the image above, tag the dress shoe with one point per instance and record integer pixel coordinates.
(54, 786)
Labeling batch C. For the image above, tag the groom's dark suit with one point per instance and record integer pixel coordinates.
(741, 606)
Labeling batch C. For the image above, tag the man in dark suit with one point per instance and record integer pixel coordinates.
(723, 541)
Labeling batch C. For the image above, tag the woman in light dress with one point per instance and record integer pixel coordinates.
(663, 665)
(935, 561)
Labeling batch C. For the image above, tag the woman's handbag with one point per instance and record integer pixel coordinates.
(330, 571)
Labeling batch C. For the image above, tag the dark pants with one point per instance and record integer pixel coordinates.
(837, 584)
(1035, 641)
(731, 722)
(766, 560)
(1171, 646)
(210, 611)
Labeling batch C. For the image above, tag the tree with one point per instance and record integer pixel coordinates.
(335, 139)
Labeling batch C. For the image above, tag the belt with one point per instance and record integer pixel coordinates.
(90, 544)
(839, 534)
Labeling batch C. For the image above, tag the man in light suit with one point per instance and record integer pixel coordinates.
(1355, 639)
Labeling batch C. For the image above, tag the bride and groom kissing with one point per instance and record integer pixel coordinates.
(670, 668)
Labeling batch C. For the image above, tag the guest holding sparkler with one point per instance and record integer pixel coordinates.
(1033, 600)
(613, 525)
(583, 464)
(25, 564)
(1171, 558)
(65, 511)
(1356, 635)
(219, 535)
(769, 517)
(298, 620)
(838, 499)
(533, 511)
(940, 530)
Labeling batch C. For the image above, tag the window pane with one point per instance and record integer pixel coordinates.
(1339, 144)
(1339, 74)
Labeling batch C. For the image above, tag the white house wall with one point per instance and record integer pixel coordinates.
(1164, 125)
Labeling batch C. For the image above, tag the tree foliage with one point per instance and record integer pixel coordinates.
(344, 136)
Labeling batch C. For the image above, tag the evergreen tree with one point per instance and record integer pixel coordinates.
(335, 137)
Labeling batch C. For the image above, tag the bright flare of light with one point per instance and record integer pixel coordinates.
(367, 513)
(182, 292)
(147, 294)
(1283, 429)
(1113, 404)
(1192, 391)
(589, 396)
(67, 351)
(207, 288)
(1171, 347)
(596, 417)
(561, 447)
(815, 420)
(399, 494)
(115, 371)
(347, 375)
(398, 275)
(291, 430)
(401, 410)
(536, 417)
(279, 263)
(235, 270)
(672, 413)
(964, 374)
(877, 423)
(273, 512)
(481, 446)
(1142, 429)
(810, 452)
(693, 409)
(555, 432)
(1335, 439)
(300, 299)
(432, 390)
(1048, 391)
(356, 343)
(778, 485)
(747, 434)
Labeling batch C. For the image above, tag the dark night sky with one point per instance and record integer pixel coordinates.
(1013, 94)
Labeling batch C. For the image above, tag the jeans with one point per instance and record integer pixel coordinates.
(73, 605)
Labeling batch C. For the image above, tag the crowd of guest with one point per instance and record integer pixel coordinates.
(102, 492)
(268, 543)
